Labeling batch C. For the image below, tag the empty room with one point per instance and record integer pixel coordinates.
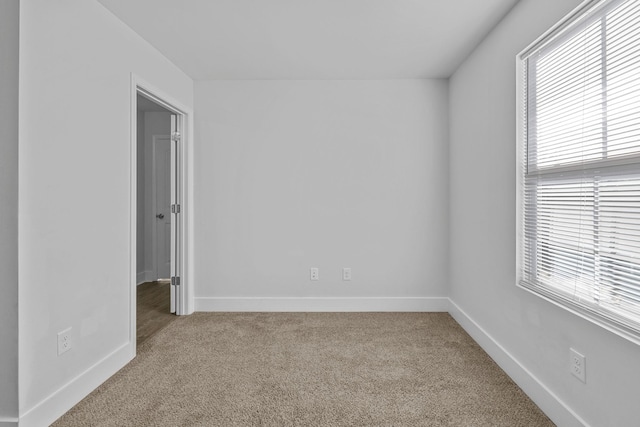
(320, 213)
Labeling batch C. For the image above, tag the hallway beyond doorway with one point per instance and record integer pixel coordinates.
(152, 309)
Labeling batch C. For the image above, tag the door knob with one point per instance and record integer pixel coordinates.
(160, 216)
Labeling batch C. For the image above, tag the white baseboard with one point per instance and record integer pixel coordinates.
(337, 304)
(556, 409)
(54, 406)
(8, 422)
(145, 276)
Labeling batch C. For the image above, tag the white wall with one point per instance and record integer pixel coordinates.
(329, 174)
(76, 61)
(9, 33)
(534, 332)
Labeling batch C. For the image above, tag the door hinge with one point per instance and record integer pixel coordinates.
(175, 281)
(175, 209)
(175, 136)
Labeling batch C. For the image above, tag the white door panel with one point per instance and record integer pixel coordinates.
(176, 214)
(162, 197)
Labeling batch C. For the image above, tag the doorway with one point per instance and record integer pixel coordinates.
(153, 250)
(157, 294)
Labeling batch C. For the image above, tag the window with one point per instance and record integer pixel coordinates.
(579, 169)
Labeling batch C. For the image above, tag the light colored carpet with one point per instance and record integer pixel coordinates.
(309, 369)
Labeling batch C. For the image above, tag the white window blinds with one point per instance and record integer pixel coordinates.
(580, 183)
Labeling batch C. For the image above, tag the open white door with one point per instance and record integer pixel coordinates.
(175, 214)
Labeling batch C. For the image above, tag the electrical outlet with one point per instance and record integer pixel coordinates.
(315, 273)
(64, 341)
(346, 273)
(578, 365)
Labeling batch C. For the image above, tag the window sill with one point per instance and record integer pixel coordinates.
(579, 310)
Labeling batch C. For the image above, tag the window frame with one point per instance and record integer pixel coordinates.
(581, 15)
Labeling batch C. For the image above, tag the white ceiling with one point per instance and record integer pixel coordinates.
(312, 39)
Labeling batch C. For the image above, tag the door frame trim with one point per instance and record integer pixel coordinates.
(185, 115)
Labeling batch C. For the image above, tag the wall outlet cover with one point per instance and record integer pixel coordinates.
(64, 341)
(578, 365)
